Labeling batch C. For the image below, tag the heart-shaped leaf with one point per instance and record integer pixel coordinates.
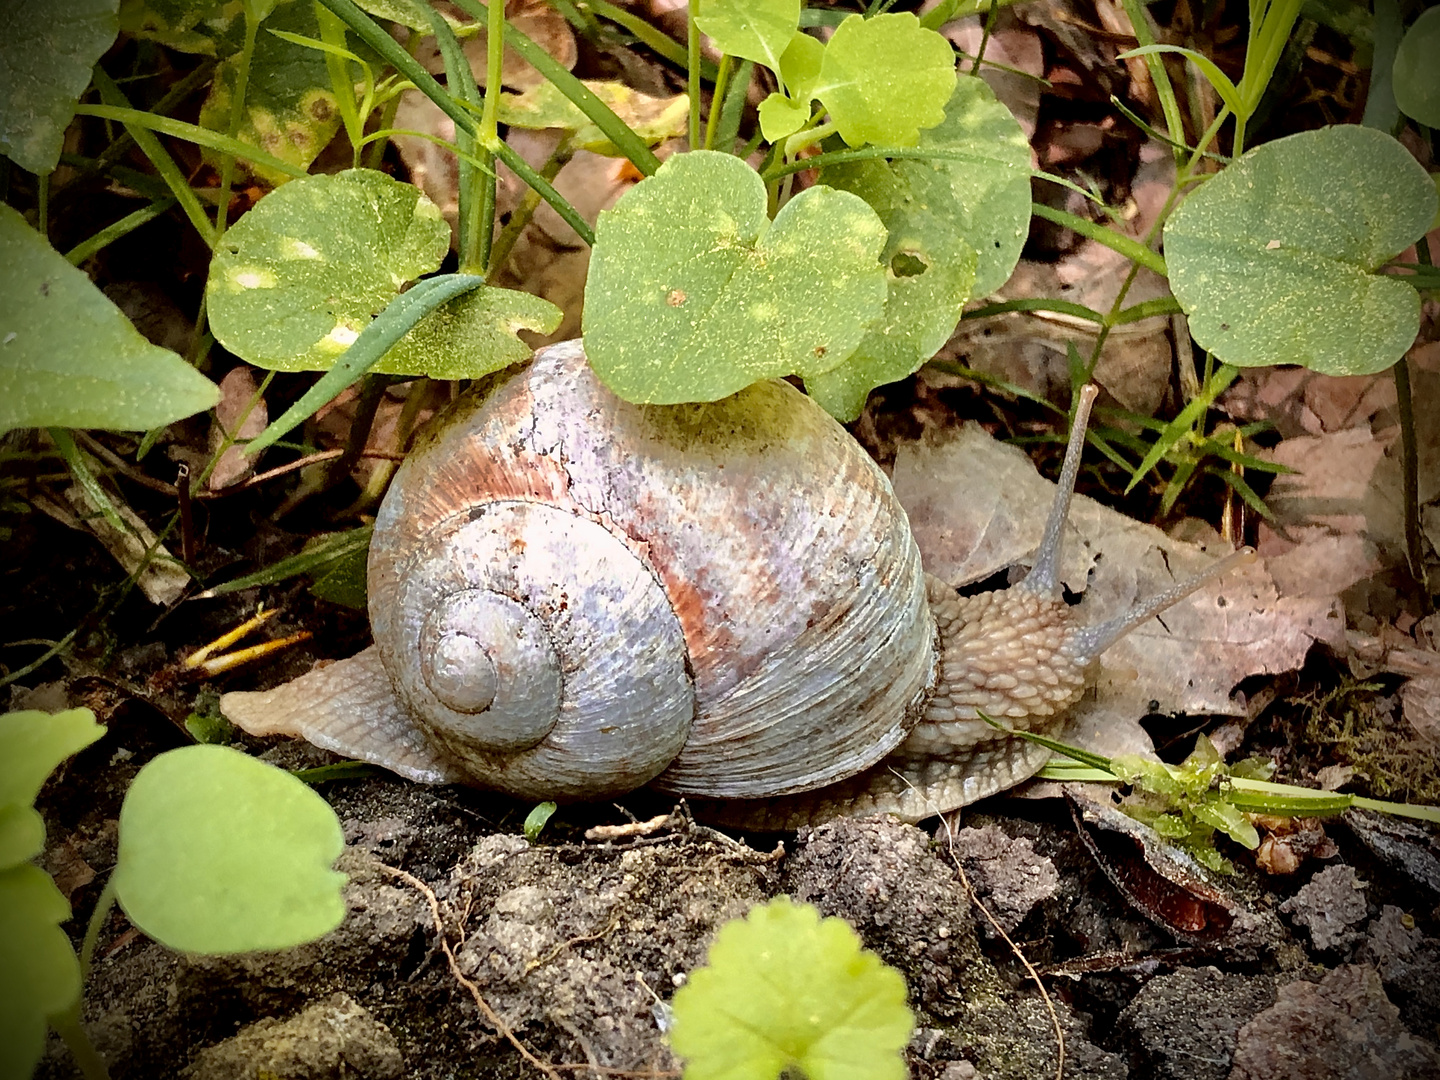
(885, 79)
(1274, 260)
(694, 295)
(46, 54)
(223, 853)
(940, 214)
(70, 357)
(302, 274)
(756, 30)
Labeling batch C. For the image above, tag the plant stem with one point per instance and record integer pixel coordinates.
(717, 101)
(692, 71)
(103, 906)
(68, 1026)
(1133, 250)
(522, 214)
(1410, 474)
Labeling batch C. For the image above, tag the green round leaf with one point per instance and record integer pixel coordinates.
(781, 117)
(39, 973)
(784, 987)
(297, 278)
(756, 30)
(69, 357)
(32, 744)
(884, 79)
(46, 54)
(1417, 85)
(694, 295)
(1274, 259)
(222, 853)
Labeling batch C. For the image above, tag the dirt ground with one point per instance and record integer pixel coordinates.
(575, 945)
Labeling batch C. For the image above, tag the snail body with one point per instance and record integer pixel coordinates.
(573, 596)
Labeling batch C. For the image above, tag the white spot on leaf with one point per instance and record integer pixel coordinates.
(338, 340)
(253, 277)
(291, 248)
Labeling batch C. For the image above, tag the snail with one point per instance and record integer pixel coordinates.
(573, 597)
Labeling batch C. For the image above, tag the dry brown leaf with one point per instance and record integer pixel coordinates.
(1301, 402)
(1339, 517)
(535, 19)
(233, 421)
(977, 506)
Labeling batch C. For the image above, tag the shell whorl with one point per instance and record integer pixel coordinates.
(486, 639)
(795, 591)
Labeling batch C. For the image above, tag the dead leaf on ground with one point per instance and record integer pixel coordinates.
(235, 419)
(1339, 517)
(1015, 46)
(1301, 402)
(977, 506)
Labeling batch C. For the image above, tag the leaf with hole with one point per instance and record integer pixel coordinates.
(222, 853)
(756, 30)
(46, 54)
(885, 79)
(784, 989)
(1275, 259)
(939, 214)
(69, 357)
(693, 294)
(922, 306)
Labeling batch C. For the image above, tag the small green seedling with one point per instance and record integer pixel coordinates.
(1188, 803)
(537, 819)
(218, 853)
(784, 989)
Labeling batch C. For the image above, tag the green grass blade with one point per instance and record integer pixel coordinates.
(374, 341)
(178, 129)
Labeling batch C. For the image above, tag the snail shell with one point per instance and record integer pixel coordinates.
(573, 596)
